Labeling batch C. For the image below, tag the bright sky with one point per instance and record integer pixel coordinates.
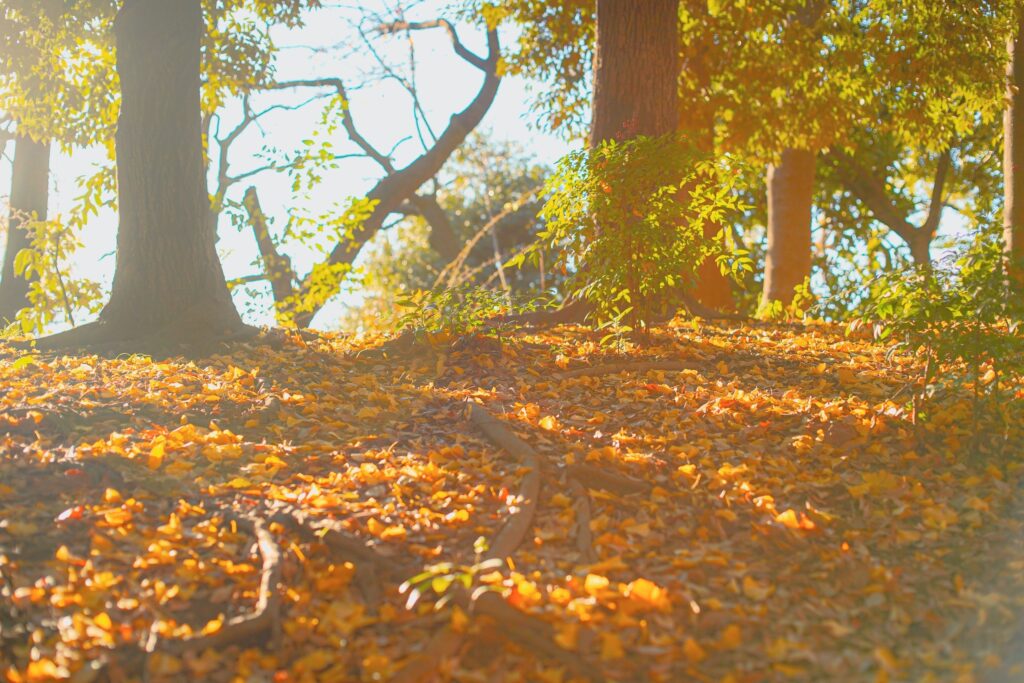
(383, 114)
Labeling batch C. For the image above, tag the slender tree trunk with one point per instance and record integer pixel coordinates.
(636, 69)
(167, 275)
(790, 193)
(1013, 160)
(921, 249)
(30, 182)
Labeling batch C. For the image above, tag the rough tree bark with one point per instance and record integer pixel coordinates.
(168, 281)
(1013, 160)
(29, 198)
(790, 193)
(636, 69)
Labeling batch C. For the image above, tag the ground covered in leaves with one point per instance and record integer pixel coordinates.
(727, 504)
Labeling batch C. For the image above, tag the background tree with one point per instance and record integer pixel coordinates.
(168, 281)
(1013, 154)
(400, 190)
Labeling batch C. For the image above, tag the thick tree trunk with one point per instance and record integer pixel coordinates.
(790, 194)
(1013, 161)
(636, 69)
(30, 183)
(168, 275)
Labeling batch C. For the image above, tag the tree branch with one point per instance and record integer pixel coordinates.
(871, 191)
(461, 50)
(391, 191)
(346, 117)
(277, 267)
(937, 203)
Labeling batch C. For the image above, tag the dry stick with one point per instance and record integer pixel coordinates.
(264, 620)
(616, 368)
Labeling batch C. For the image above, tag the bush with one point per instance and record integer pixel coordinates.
(958, 317)
(626, 223)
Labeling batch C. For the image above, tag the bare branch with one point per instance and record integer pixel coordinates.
(391, 191)
(277, 267)
(460, 49)
(346, 121)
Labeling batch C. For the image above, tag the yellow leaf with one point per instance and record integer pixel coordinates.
(156, 455)
(789, 519)
(732, 637)
(846, 375)
(548, 423)
(727, 514)
(649, 593)
(567, 635)
(754, 590)
(103, 621)
(459, 620)
(693, 651)
(112, 496)
(595, 583)
(611, 646)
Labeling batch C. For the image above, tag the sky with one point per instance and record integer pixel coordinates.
(327, 46)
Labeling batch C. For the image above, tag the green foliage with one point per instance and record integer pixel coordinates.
(554, 48)
(626, 219)
(803, 301)
(54, 294)
(448, 314)
(440, 579)
(958, 317)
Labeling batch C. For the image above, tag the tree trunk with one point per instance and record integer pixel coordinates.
(168, 275)
(921, 249)
(790, 194)
(277, 267)
(30, 182)
(636, 69)
(1013, 161)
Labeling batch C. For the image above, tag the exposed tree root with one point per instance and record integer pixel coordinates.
(519, 523)
(584, 537)
(196, 332)
(346, 545)
(616, 368)
(531, 633)
(263, 621)
(446, 642)
(699, 310)
(597, 478)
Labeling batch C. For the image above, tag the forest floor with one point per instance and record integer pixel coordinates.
(731, 504)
